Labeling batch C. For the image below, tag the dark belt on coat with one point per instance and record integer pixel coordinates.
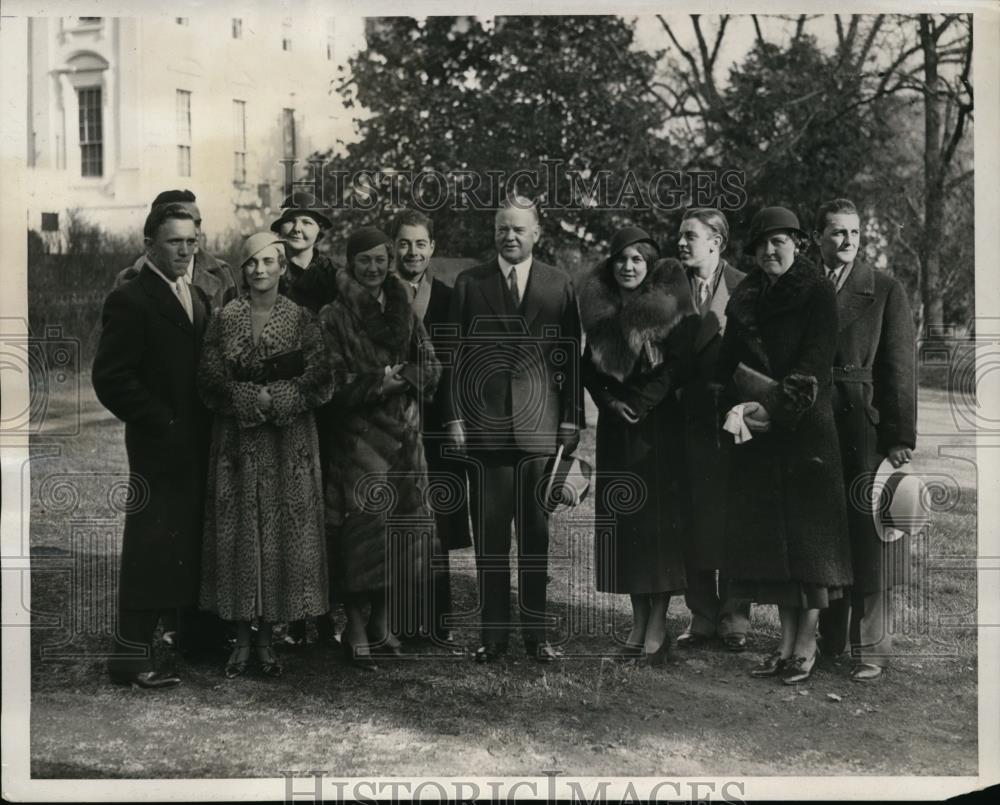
(852, 374)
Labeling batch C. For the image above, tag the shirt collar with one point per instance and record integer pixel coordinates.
(160, 274)
(505, 266)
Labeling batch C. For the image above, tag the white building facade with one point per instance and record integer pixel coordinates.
(122, 108)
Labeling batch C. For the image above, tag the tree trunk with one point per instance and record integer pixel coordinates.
(934, 169)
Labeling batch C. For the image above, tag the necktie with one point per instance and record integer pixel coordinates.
(515, 293)
(702, 295)
(184, 295)
(413, 291)
(833, 275)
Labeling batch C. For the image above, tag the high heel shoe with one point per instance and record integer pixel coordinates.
(772, 665)
(796, 671)
(268, 661)
(363, 661)
(658, 657)
(236, 665)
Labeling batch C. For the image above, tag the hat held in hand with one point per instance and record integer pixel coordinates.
(898, 502)
(567, 481)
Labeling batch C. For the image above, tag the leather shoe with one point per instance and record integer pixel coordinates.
(151, 680)
(236, 665)
(866, 672)
(796, 670)
(692, 640)
(825, 649)
(490, 652)
(658, 657)
(540, 651)
(735, 642)
(267, 661)
(771, 665)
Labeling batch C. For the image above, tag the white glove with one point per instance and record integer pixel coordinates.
(736, 426)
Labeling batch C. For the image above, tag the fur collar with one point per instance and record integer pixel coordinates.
(749, 303)
(618, 330)
(390, 328)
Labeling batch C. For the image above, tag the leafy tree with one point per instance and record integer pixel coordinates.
(465, 97)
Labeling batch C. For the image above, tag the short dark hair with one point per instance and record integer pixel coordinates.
(174, 197)
(159, 214)
(711, 218)
(835, 206)
(412, 218)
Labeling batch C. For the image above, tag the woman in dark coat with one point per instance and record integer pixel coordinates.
(263, 371)
(786, 530)
(310, 281)
(376, 479)
(637, 313)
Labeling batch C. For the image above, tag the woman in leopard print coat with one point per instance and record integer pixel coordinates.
(263, 371)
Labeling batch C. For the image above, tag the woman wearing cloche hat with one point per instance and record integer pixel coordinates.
(263, 371)
(636, 311)
(310, 280)
(786, 529)
(383, 366)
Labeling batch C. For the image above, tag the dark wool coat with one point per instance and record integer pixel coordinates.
(874, 403)
(786, 518)
(312, 287)
(214, 276)
(376, 468)
(264, 546)
(144, 373)
(705, 476)
(515, 375)
(635, 353)
(449, 482)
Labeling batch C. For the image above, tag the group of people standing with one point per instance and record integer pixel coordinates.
(287, 421)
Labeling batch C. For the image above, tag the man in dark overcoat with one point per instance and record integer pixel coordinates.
(214, 276)
(513, 395)
(144, 373)
(874, 404)
(703, 236)
(413, 238)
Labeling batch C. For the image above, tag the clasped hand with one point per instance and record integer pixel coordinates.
(393, 383)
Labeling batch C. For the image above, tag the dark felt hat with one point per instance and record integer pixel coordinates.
(629, 236)
(361, 240)
(772, 219)
(301, 203)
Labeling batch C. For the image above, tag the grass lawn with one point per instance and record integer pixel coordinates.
(700, 714)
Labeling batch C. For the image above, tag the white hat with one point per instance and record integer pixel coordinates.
(255, 243)
(897, 502)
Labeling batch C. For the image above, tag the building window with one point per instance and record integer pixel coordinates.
(181, 21)
(183, 133)
(91, 132)
(240, 142)
(50, 222)
(90, 20)
(288, 132)
(237, 28)
(286, 34)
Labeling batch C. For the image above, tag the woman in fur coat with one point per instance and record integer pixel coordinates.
(637, 314)
(263, 371)
(786, 530)
(376, 480)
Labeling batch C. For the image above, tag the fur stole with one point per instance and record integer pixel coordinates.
(391, 328)
(617, 331)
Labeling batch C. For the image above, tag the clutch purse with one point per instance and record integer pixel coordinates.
(284, 366)
(754, 386)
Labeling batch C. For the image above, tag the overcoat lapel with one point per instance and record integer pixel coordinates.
(166, 303)
(533, 293)
(714, 320)
(857, 295)
(494, 291)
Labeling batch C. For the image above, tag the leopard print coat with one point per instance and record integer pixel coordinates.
(264, 550)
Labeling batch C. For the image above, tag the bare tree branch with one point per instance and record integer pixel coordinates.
(756, 25)
(687, 56)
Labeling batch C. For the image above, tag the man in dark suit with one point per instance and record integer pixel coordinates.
(874, 403)
(512, 395)
(703, 236)
(413, 237)
(215, 277)
(144, 373)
